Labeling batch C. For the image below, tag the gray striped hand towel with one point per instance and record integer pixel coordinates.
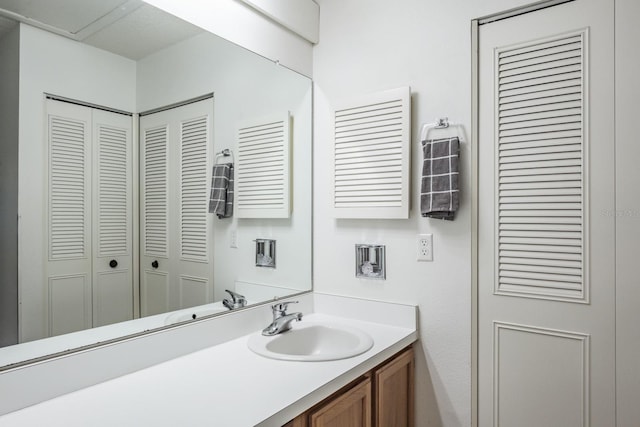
(221, 197)
(439, 195)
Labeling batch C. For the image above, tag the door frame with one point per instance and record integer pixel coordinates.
(475, 111)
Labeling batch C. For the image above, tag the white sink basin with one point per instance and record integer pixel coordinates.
(312, 342)
(194, 313)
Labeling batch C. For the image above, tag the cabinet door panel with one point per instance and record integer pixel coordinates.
(394, 391)
(351, 409)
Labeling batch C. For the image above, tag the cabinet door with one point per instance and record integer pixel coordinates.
(350, 409)
(394, 391)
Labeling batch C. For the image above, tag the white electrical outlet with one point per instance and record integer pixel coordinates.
(234, 239)
(424, 247)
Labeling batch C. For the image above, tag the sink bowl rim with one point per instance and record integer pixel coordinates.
(258, 343)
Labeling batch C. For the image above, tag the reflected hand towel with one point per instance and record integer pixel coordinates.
(221, 197)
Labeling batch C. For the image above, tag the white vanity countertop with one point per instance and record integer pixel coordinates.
(225, 385)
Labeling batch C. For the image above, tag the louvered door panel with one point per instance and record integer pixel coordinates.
(193, 189)
(541, 153)
(155, 191)
(112, 281)
(263, 169)
(67, 290)
(371, 156)
(113, 191)
(68, 189)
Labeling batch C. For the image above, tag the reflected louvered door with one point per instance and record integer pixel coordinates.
(154, 214)
(194, 263)
(69, 253)
(177, 269)
(545, 251)
(89, 218)
(112, 219)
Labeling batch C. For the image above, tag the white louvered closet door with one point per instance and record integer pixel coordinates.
(89, 218)
(154, 214)
(546, 251)
(68, 231)
(177, 265)
(112, 219)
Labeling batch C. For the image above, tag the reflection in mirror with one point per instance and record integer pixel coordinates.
(109, 146)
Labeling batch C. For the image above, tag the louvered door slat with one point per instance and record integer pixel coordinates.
(155, 194)
(540, 155)
(545, 55)
(540, 66)
(68, 188)
(371, 151)
(525, 110)
(263, 168)
(541, 75)
(504, 120)
(535, 263)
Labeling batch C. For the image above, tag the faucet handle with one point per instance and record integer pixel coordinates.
(281, 307)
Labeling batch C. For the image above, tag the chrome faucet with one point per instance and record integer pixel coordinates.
(236, 301)
(281, 320)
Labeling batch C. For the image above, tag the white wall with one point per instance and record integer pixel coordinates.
(627, 211)
(241, 24)
(56, 65)
(9, 69)
(245, 86)
(367, 46)
(300, 16)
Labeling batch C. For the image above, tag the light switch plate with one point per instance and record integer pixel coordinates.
(233, 240)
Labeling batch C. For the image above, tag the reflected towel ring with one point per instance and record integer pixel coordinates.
(224, 153)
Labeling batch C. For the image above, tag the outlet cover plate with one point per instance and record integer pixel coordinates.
(424, 247)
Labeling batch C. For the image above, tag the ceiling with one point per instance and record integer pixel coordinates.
(130, 28)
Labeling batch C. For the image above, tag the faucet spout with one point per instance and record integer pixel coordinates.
(281, 320)
(236, 301)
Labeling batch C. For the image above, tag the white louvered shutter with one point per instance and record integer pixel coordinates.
(193, 189)
(155, 191)
(541, 155)
(372, 137)
(263, 168)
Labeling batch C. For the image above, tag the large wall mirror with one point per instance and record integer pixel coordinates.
(117, 120)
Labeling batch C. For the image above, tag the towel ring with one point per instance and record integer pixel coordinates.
(224, 153)
(441, 123)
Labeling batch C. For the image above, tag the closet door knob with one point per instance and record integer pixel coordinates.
(113, 263)
(154, 264)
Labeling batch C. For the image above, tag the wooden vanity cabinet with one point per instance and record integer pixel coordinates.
(382, 397)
